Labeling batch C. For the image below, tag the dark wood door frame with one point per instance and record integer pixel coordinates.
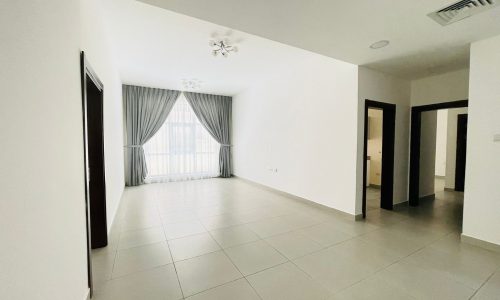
(416, 122)
(461, 151)
(388, 135)
(95, 212)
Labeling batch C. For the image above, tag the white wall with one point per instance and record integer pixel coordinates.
(98, 50)
(381, 87)
(482, 194)
(427, 153)
(441, 141)
(451, 146)
(451, 86)
(42, 213)
(302, 123)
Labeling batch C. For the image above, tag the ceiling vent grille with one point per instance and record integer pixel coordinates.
(461, 10)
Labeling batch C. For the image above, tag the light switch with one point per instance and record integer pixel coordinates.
(496, 137)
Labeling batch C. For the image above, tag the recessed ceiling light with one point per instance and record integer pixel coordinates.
(379, 44)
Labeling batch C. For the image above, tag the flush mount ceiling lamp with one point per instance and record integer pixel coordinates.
(379, 44)
(222, 47)
(192, 84)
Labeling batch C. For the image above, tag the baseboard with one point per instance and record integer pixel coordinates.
(480, 243)
(428, 197)
(300, 199)
(449, 189)
(87, 297)
(375, 186)
(358, 217)
(440, 177)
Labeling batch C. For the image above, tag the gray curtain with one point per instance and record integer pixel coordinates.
(145, 109)
(214, 113)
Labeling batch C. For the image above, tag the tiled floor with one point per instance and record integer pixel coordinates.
(227, 239)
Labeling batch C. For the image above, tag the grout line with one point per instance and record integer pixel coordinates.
(228, 257)
(173, 263)
(484, 283)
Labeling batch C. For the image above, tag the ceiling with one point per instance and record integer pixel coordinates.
(159, 48)
(344, 29)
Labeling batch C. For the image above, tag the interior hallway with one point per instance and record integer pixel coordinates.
(228, 239)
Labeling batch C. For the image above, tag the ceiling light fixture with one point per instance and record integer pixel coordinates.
(379, 44)
(191, 84)
(223, 47)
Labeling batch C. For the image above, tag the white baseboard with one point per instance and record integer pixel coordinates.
(480, 243)
(300, 199)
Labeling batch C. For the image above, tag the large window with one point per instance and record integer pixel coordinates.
(182, 149)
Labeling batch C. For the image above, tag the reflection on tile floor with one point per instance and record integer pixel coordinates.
(228, 239)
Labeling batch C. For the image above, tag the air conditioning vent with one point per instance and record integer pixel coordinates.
(461, 10)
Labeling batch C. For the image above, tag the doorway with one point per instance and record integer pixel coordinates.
(415, 146)
(387, 114)
(95, 183)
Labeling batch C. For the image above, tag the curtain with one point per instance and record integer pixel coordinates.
(182, 149)
(145, 109)
(214, 113)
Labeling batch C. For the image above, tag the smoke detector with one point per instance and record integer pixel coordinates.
(461, 10)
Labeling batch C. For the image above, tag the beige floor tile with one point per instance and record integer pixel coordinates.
(156, 284)
(205, 272)
(182, 229)
(371, 256)
(300, 220)
(220, 221)
(269, 227)
(372, 288)
(333, 271)
(470, 272)
(140, 221)
(193, 245)
(239, 289)
(325, 234)
(490, 290)
(407, 253)
(423, 283)
(294, 244)
(396, 244)
(255, 256)
(234, 236)
(288, 282)
(141, 237)
(141, 258)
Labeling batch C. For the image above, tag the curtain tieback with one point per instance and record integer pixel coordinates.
(132, 146)
(225, 145)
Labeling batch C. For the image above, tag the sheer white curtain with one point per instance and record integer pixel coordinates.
(182, 149)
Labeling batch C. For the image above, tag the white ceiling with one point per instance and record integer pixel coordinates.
(158, 48)
(345, 29)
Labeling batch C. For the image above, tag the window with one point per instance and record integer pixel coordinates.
(182, 149)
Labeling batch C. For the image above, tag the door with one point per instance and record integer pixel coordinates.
(461, 152)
